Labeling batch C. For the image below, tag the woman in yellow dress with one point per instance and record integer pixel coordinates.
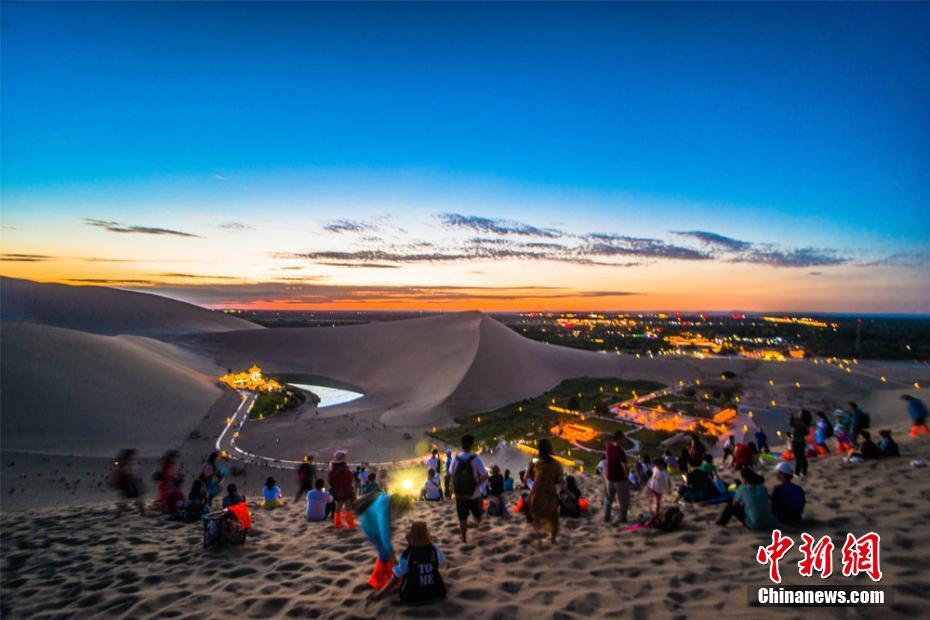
(544, 498)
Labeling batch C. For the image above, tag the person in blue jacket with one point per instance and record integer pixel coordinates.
(918, 412)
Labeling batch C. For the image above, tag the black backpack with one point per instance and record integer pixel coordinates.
(668, 520)
(422, 583)
(828, 431)
(463, 482)
(866, 420)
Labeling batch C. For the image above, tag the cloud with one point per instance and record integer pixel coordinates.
(354, 226)
(297, 293)
(26, 258)
(235, 226)
(192, 276)
(765, 254)
(220, 177)
(117, 227)
(900, 259)
(364, 265)
(610, 244)
(111, 281)
(815, 273)
(714, 240)
(496, 226)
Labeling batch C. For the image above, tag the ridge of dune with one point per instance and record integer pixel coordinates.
(72, 392)
(108, 311)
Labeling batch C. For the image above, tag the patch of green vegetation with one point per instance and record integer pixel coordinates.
(270, 403)
(532, 418)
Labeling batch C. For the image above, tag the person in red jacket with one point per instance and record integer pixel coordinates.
(342, 487)
(742, 456)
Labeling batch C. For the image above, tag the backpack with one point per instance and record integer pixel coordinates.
(463, 482)
(866, 420)
(667, 520)
(422, 583)
(828, 431)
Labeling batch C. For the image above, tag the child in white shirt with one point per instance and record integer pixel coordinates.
(660, 483)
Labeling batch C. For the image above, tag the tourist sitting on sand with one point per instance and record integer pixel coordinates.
(544, 498)
(319, 502)
(495, 484)
(750, 504)
(343, 490)
(306, 476)
(843, 442)
(800, 425)
(174, 499)
(232, 496)
(918, 413)
(273, 496)
(165, 476)
(696, 451)
(660, 483)
(124, 478)
(698, 487)
(886, 445)
(708, 466)
(508, 481)
(867, 450)
(684, 460)
(371, 486)
(432, 463)
(787, 498)
(196, 505)
(417, 569)
(431, 491)
(841, 421)
(212, 475)
(671, 463)
(570, 498)
(857, 421)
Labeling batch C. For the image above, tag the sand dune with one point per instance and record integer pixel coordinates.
(82, 564)
(70, 392)
(109, 311)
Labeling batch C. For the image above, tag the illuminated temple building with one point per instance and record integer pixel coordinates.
(252, 380)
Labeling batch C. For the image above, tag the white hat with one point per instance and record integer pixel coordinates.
(785, 468)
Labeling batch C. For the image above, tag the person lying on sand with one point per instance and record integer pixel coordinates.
(750, 504)
(417, 569)
(788, 499)
(319, 502)
(273, 496)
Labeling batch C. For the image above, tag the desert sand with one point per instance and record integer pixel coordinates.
(79, 562)
(88, 371)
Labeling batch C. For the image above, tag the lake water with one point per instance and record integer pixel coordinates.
(329, 396)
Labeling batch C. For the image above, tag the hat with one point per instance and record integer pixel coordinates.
(784, 468)
(418, 535)
(339, 456)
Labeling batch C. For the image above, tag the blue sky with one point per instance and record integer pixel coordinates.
(802, 126)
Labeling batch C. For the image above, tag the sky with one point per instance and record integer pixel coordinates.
(754, 157)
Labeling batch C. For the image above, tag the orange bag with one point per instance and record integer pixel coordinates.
(241, 513)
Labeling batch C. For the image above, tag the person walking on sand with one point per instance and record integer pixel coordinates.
(124, 477)
(343, 490)
(918, 412)
(544, 498)
(468, 474)
(446, 481)
(616, 471)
